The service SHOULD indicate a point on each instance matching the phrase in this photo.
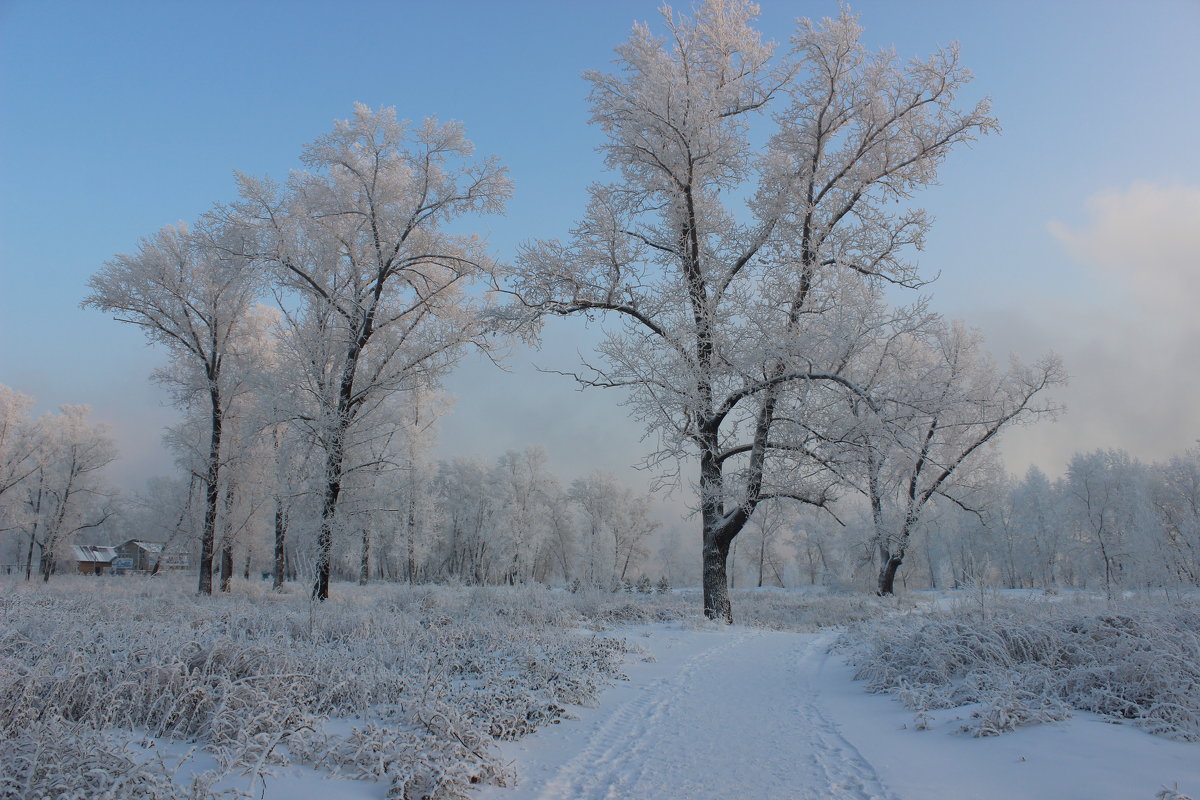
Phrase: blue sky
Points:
(1076, 230)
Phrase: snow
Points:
(700, 710)
(771, 714)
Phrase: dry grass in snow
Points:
(92, 672)
(1027, 660)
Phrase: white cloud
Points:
(1144, 242)
(1130, 339)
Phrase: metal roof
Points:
(94, 553)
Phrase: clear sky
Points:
(1076, 230)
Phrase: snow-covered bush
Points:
(429, 678)
(1033, 661)
(53, 759)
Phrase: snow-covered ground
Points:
(396, 692)
(752, 713)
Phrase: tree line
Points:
(1109, 523)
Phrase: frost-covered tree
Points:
(164, 513)
(1108, 497)
(1038, 525)
(19, 441)
(615, 524)
(713, 258)
(940, 415)
(190, 290)
(508, 522)
(767, 529)
(522, 531)
(1175, 493)
(371, 282)
(467, 506)
(66, 492)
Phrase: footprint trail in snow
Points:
(739, 717)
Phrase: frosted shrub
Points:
(776, 609)
(51, 759)
(1029, 662)
(431, 678)
(809, 611)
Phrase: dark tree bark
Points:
(280, 539)
(364, 559)
(227, 541)
(212, 491)
(886, 585)
(226, 566)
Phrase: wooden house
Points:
(137, 555)
(93, 559)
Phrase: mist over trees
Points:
(751, 264)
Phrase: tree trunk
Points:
(226, 565)
(333, 488)
(280, 538)
(329, 502)
(762, 556)
(410, 540)
(716, 579)
(334, 455)
(29, 555)
(227, 540)
(887, 576)
(37, 510)
(364, 560)
(47, 559)
(208, 536)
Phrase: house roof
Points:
(150, 547)
(94, 553)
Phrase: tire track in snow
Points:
(740, 719)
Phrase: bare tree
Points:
(371, 285)
(717, 309)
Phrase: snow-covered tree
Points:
(1038, 532)
(371, 282)
(66, 492)
(520, 531)
(713, 258)
(19, 442)
(466, 507)
(1109, 500)
(950, 403)
(1175, 493)
(615, 524)
(766, 532)
(190, 290)
(165, 512)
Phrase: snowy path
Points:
(721, 714)
(739, 713)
